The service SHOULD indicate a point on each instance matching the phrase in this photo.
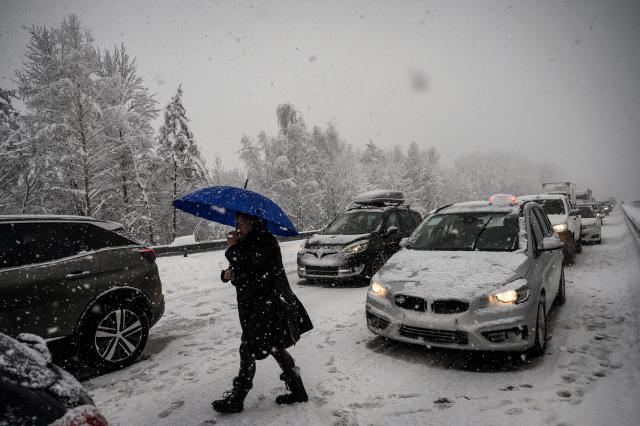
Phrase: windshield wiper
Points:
(473, 247)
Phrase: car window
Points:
(536, 229)
(28, 243)
(354, 222)
(91, 237)
(467, 231)
(393, 220)
(407, 222)
(417, 219)
(543, 220)
(587, 212)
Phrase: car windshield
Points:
(354, 222)
(552, 206)
(467, 231)
(587, 212)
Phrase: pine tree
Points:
(60, 86)
(183, 163)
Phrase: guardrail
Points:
(203, 246)
(632, 214)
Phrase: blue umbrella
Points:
(220, 204)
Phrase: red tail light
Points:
(149, 254)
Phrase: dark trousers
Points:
(248, 364)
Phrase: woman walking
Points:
(271, 316)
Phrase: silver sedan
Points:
(476, 275)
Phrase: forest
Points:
(78, 136)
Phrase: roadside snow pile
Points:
(183, 241)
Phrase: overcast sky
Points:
(557, 81)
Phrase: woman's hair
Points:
(256, 222)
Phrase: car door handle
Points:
(76, 274)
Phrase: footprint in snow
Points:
(443, 402)
(173, 407)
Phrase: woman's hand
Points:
(228, 274)
(232, 238)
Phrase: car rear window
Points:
(354, 222)
(587, 212)
(467, 231)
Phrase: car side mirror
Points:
(551, 243)
(404, 242)
(391, 231)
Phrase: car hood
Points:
(334, 240)
(450, 274)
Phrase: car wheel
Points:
(561, 296)
(579, 246)
(541, 331)
(570, 251)
(114, 336)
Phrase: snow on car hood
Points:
(450, 274)
(330, 240)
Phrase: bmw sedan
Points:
(475, 275)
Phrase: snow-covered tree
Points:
(60, 86)
(184, 167)
(128, 112)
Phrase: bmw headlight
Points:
(377, 289)
(561, 227)
(302, 247)
(515, 292)
(356, 247)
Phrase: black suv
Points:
(81, 285)
(359, 241)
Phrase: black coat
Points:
(270, 313)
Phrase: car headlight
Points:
(377, 289)
(302, 247)
(356, 247)
(511, 296)
(561, 227)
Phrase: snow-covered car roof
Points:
(540, 197)
(480, 206)
(28, 218)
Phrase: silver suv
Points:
(81, 285)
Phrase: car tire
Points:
(540, 341)
(579, 246)
(570, 251)
(114, 335)
(561, 296)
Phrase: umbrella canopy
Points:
(220, 204)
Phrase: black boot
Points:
(232, 399)
(293, 383)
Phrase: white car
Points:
(564, 217)
(591, 225)
(475, 275)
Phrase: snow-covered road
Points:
(589, 375)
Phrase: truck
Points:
(584, 196)
(565, 188)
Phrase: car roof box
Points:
(379, 197)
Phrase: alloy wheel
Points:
(118, 335)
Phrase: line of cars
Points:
(480, 275)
